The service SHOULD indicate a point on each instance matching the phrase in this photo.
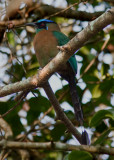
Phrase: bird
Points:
(48, 36)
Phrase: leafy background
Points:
(95, 87)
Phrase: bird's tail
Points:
(75, 99)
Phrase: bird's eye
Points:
(42, 24)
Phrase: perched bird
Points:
(48, 37)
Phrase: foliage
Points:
(95, 88)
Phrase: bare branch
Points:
(46, 10)
(56, 146)
(60, 114)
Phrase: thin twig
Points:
(20, 100)
(12, 75)
(55, 14)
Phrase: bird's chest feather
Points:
(45, 46)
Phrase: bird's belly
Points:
(45, 48)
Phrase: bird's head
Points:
(44, 24)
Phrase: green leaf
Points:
(101, 127)
(37, 105)
(12, 118)
(69, 114)
(96, 92)
(107, 84)
(79, 155)
(58, 131)
(103, 136)
(33, 66)
(85, 50)
(11, 39)
(100, 115)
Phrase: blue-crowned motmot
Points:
(48, 37)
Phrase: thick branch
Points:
(56, 146)
(66, 51)
(46, 10)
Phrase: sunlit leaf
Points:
(11, 39)
(96, 92)
(100, 115)
(84, 50)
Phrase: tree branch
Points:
(66, 51)
(6, 127)
(56, 146)
(5, 24)
(60, 114)
(47, 10)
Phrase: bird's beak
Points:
(33, 24)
